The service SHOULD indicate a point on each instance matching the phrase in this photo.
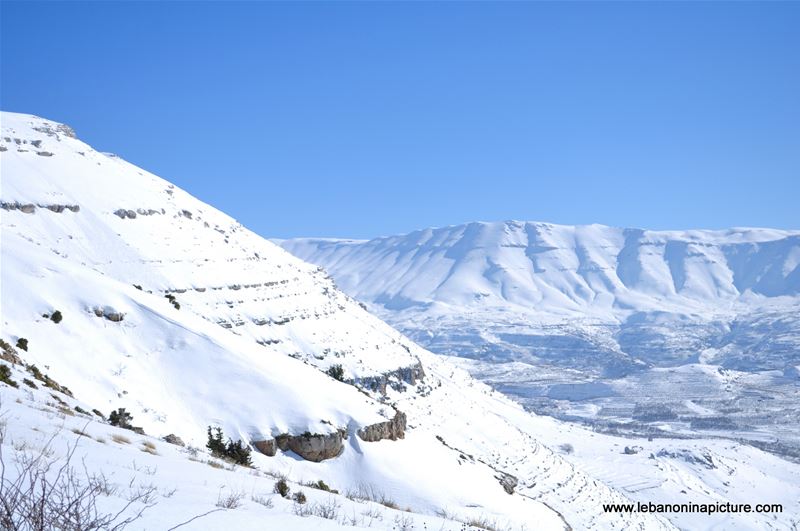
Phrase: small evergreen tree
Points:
(56, 317)
(22, 343)
(121, 418)
(232, 451)
(215, 443)
(239, 453)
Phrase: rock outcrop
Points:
(314, 447)
(507, 481)
(395, 379)
(391, 429)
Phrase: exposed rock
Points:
(114, 316)
(268, 447)
(507, 481)
(55, 208)
(47, 129)
(9, 353)
(173, 439)
(109, 314)
(631, 450)
(391, 429)
(3, 148)
(36, 143)
(314, 447)
(44, 153)
(394, 379)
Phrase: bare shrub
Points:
(299, 497)
(329, 509)
(49, 493)
(403, 522)
(262, 500)
(230, 501)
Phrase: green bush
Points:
(22, 343)
(121, 418)
(56, 317)
(30, 383)
(282, 488)
(336, 372)
(5, 376)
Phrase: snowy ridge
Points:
(601, 271)
(178, 313)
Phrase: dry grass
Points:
(149, 448)
(120, 439)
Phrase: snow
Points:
(247, 351)
(594, 307)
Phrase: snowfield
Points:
(174, 311)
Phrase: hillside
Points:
(174, 311)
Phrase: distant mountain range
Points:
(593, 313)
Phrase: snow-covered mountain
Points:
(594, 317)
(174, 311)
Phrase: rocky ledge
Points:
(391, 429)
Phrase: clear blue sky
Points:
(361, 119)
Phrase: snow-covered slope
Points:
(176, 312)
(586, 313)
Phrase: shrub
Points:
(5, 376)
(79, 409)
(321, 485)
(171, 298)
(336, 372)
(567, 448)
(231, 501)
(22, 343)
(262, 500)
(282, 488)
(56, 317)
(299, 497)
(29, 383)
(120, 418)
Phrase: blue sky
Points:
(361, 119)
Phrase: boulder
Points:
(267, 447)
(173, 439)
(314, 447)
